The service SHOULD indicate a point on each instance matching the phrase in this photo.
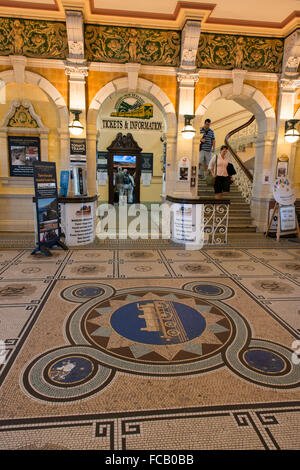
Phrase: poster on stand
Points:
(284, 192)
(287, 218)
(46, 197)
(22, 152)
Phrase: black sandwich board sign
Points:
(47, 210)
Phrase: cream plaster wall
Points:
(43, 106)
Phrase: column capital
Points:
(76, 69)
(289, 85)
(187, 78)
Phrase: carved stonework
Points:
(21, 114)
(33, 38)
(225, 51)
(76, 48)
(287, 85)
(22, 118)
(189, 44)
(124, 142)
(290, 62)
(79, 69)
(184, 77)
(121, 45)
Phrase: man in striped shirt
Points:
(207, 146)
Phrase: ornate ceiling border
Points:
(202, 11)
(30, 5)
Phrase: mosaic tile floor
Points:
(132, 349)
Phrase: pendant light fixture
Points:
(75, 126)
(188, 132)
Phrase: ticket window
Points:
(130, 162)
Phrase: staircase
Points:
(240, 220)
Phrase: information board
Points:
(46, 200)
(23, 152)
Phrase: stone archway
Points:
(8, 76)
(112, 88)
(254, 101)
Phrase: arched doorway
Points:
(102, 128)
(124, 153)
(255, 102)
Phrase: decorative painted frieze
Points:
(144, 46)
(33, 38)
(225, 51)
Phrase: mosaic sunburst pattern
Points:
(157, 327)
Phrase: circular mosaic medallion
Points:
(70, 370)
(157, 327)
(208, 289)
(88, 291)
(158, 322)
(266, 362)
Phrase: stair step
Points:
(240, 229)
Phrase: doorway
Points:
(124, 155)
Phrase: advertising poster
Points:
(79, 219)
(287, 218)
(282, 169)
(48, 229)
(184, 169)
(187, 224)
(284, 192)
(23, 151)
(77, 146)
(147, 162)
(64, 182)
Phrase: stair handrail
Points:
(235, 156)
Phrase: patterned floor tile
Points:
(143, 269)
(270, 288)
(8, 255)
(287, 267)
(184, 255)
(247, 268)
(57, 256)
(288, 310)
(138, 255)
(272, 254)
(12, 320)
(92, 255)
(200, 268)
(21, 292)
(90, 270)
(30, 271)
(227, 253)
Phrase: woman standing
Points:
(218, 168)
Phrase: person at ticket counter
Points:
(127, 186)
(119, 178)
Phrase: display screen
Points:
(124, 159)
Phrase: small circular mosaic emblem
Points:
(208, 289)
(88, 291)
(70, 370)
(266, 362)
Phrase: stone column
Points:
(186, 76)
(182, 189)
